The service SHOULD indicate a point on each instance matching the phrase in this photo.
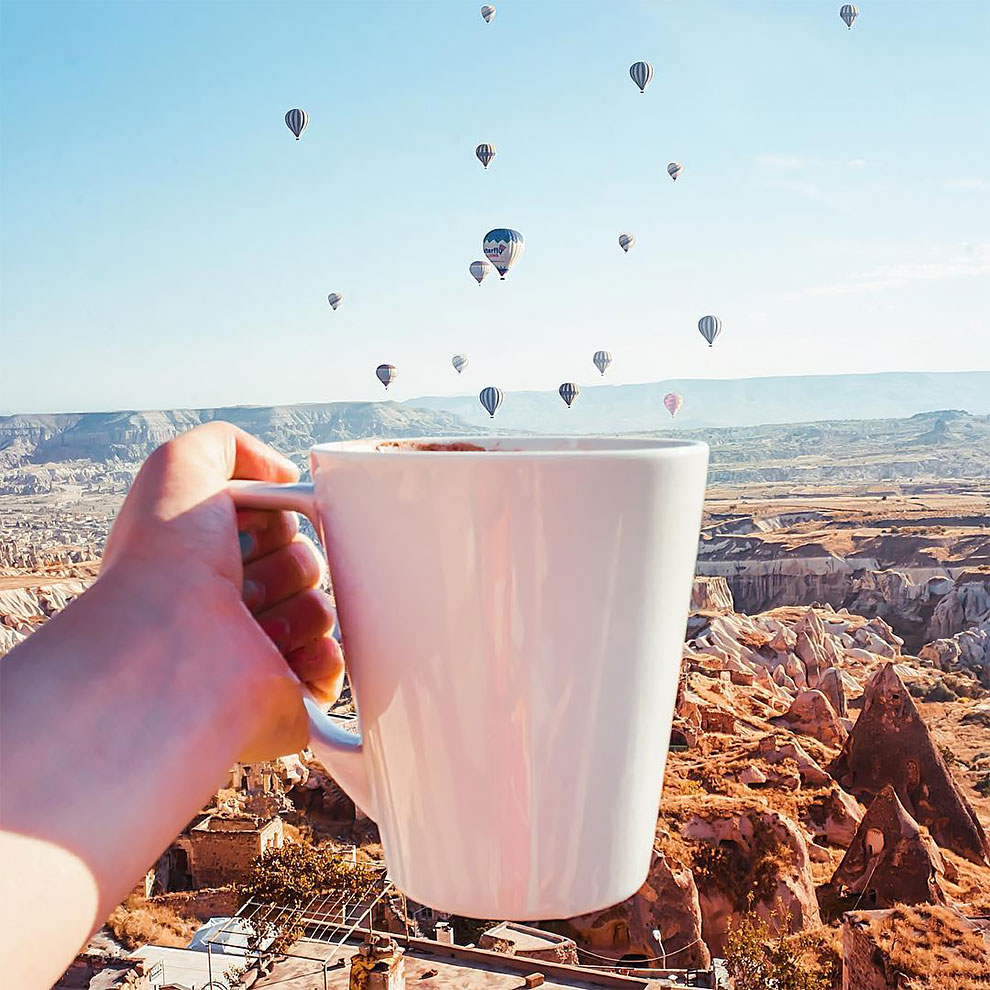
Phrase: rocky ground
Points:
(831, 744)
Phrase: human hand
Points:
(251, 569)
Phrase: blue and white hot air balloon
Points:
(386, 374)
(460, 362)
(848, 12)
(485, 153)
(674, 169)
(626, 241)
(491, 399)
(479, 269)
(602, 360)
(488, 12)
(641, 74)
(709, 327)
(503, 248)
(335, 299)
(569, 392)
(297, 121)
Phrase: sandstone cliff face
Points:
(890, 745)
(131, 436)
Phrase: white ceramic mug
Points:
(512, 619)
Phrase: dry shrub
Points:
(745, 877)
(762, 956)
(930, 941)
(138, 922)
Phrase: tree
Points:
(293, 875)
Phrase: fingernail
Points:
(246, 542)
(276, 629)
(253, 594)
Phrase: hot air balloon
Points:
(479, 269)
(459, 361)
(335, 299)
(569, 392)
(503, 248)
(710, 327)
(673, 402)
(297, 121)
(849, 12)
(386, 374)
(641, 74)
(491, 399)
(488, 13)
(626, 241)
(602, 360)
(674, 169)
(485, 153)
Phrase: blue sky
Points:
(165, 241)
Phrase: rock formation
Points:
(960, 627)
(22, 610)
(776, 751)
(834, 817)
(832, 686)
(711, 594)
(750, 860)
(667, 901)
(890, 861)
(812, 714)
(890, 744)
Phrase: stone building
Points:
(216, 851)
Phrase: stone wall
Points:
(210, 902)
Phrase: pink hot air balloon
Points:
(672, 401)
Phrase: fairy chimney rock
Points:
(832, 687)
(890, 860)
(891, 745)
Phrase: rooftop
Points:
(214, 823)
(524, 938)
(435, 966)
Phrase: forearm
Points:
(119, 719)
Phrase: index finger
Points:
(243, 455)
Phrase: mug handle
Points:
(342, 751)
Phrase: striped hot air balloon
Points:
(848, 12)
(602, 360)
(626, 241)
(488, 12)
(485, 153)
(386, 374)
(491, 399)
(569, 392)
(672, 401)
(460, 362)
(297, 121)
(503, 248)
(335, 299)
(641, 74)
(710, 327)
(479, 269)
(674, 169)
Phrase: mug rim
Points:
(620, 446)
